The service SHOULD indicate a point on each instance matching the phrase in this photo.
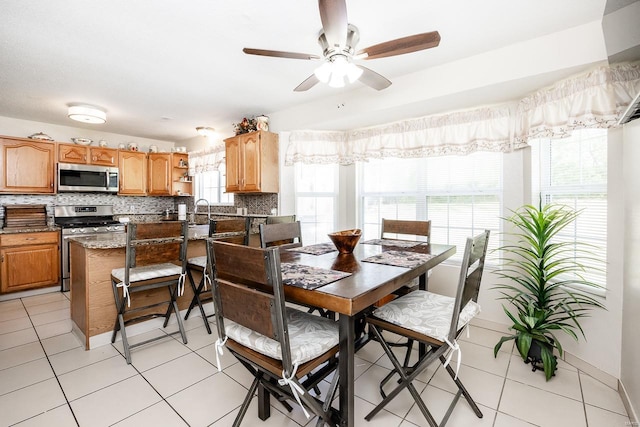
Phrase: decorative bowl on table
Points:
(345, 241)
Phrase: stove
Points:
(77, 221)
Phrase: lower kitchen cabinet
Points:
(29, 260)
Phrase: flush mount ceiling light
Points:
(205, 131)
(87, 114)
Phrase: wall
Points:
(630, 369)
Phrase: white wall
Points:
(630, 310)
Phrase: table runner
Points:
(393, 242)
(400, 258)
(306, 277)
(317, 249)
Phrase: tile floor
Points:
(47, 379)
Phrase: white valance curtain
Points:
(206, 160)
(593, 99)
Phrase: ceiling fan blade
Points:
(401, 46)
(279, 54)
(333, 14)
(310, 82)
(373, 79)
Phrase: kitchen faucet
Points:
(195, 207)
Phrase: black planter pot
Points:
(534, 356)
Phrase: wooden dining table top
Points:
(368, 282)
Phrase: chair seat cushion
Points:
(148, 272)
(199, 261)
(426, 313)
(309, 337)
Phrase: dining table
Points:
(357, 281)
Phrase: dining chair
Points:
(285, 235)
(280, 346)
(202, 290)
(155, 257)
(279, 219)
(436, 321)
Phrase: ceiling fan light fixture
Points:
(353, 72)
(87, 114)
(323, 72)
(205, 131)
(337, 80)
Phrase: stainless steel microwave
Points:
(89, 178)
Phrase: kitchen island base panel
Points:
(93, 309)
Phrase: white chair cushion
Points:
(200, 261)
(148, 272)
(309, 336)
(426, 313)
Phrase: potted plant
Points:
(539, 270)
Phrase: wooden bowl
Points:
(345, 241)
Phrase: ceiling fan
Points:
(338, 40)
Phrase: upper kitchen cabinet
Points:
(181, 181)
(28, 166)
(73, 153)
(252, 163)
(159, 173)
(133, 173)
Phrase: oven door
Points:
(88, 178)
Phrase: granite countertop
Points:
(239, 215)
(29, 229)
(119, 240)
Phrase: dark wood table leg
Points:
(264, 405)
(423, 285)
(346, 369)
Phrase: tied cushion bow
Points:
(125, 292)
(454, 347)
(296, 390)
(181, 280)
(219, 351)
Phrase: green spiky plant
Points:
(539, 270)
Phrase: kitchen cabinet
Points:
(252, 163)
(27, 166)
(29, 260)
(181, 182)
(133, 172)
(82, 154)
(159, 174)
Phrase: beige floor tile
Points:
(12, 312)
(53, 329)
(195, 402)
(12, 304)
(485, 338)
(482, 358)
(50, 317)
(156, 353)
(199, 338)
(178, 374)
(69, 360)
(277, 418)
(484, 387)
(504, 420)
(22, 354)
(371, 352)
(88, 379)
(63, 304)
(240, 374)
(15, 325)
(517, 401)
(598, 394)
(60, 416)
(60, 343)
(114, 403)
(209, 354)
(30, 401)
(160, 414)
(17, 338)
(44, 299)
(598, 417)
(438, 401)
(24, 375)
(565, 382)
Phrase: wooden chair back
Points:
(284, 235)
(405, 228)
(471, 271)
(248, 290)
(157, 242)
(241, 225)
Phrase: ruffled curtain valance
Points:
(206, 160)
(594, 99)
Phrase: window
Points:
(461, 195)
(573, 171)
(210, 185)
(316, 193)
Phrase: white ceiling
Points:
(162, 67)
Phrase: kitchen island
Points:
(93, 310)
